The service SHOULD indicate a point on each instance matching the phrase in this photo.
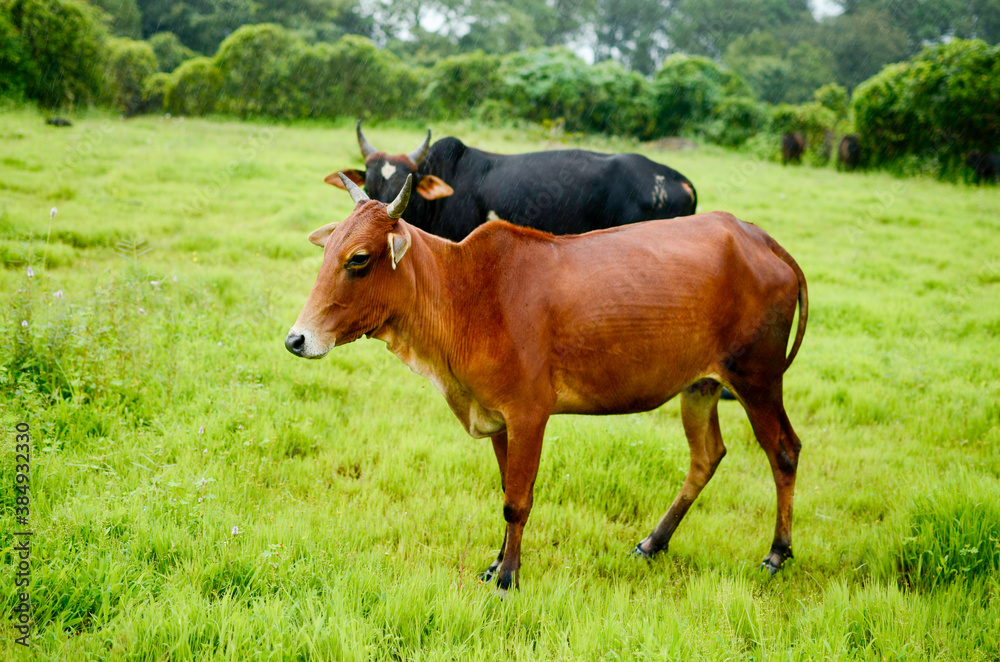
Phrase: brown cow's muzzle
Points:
(305, 344)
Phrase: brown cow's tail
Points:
(803, 297)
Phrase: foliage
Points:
(942, 104)
(123, 17)
(862, 44)
(932, 21)
(130, 64)
(169, 50)
(705, 27)
(735, 120)
(154, 91)
(13, 55)
(776, 72)
(203, 25)
(255, 64)
(835, 98)
(457, 84)
(554, 85)
(688, 89)
(193, 88)
(63, 51)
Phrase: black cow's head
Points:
(385, 174)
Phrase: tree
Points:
(632, 32)
(936, 20)
(705, 27)
(777, 73)
(862, 44)
(124, 18)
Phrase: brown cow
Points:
(513, 325)
(792, 146)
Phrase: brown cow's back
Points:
(595, 311)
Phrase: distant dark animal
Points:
(514, 325)
(985, 165)
(563, 192)
(792, 146)
(58, 121)
(849, 153)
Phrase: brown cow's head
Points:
(384, 174)
(358, 286)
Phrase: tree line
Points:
(931, 108)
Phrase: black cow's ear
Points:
(432, 188)
(356, 176)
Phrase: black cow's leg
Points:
(523, 454)
(699, 413)
(500, 450)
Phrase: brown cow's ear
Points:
(432, 188)
(356, 176)
(320, 235)
(398, 244)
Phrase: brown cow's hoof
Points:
(639, 553)
(769, 565)
(775, 560)
(491, 573)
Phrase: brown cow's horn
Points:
(396, 207)
(367, 149)
(356, 193)
(420, 153)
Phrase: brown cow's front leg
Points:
(700, 415)
(523, 453)
(500, 450)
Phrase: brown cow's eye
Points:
(358, 260)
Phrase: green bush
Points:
(12, 55)
(688, 89)
(936, 107)
(553, 84)
(735, 120)
(169, 50)
(835, 98)
(365, 82)
(63, 51)
(193, 88)
(154, 92)
(460, 83)
(130, 64)
(255, 63)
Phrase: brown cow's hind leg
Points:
(699, 413)
(500, 450)
(775, 435)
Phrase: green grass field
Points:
(146, 355)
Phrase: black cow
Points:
(564, 192)
(984, 165)
(849, 153)
(792, 146)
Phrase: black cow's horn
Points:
(420, 153)
(396, 207)
(367, 149)
(356, 193)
